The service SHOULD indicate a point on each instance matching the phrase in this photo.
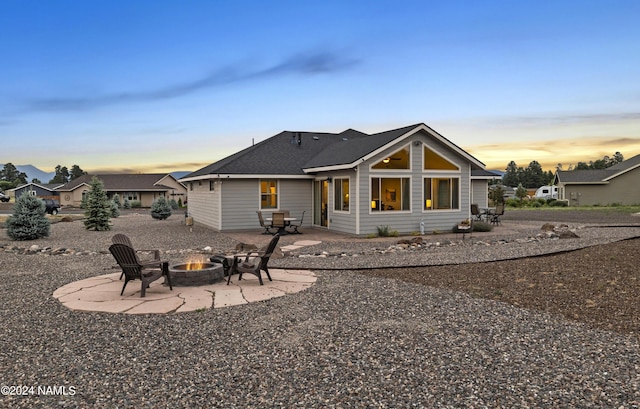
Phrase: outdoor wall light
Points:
(373, 204)
(427, 203)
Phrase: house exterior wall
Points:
(203, 203)
(232, 203)
(624, 189)
(37, 191)
(361, 220)
(479, 192)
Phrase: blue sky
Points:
(158, 86)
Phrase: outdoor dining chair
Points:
(495, 216)
(475, 212)
(277, 221)
(262, 224)
(297, 224)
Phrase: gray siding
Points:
(204, 204)
(409, 221)
(479, 193)
(624, 189)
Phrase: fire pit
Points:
(196, 273)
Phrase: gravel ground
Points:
(544, 331)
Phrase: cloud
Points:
(567, 119)
(304, 64)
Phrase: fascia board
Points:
(621, 172)
(243, 176)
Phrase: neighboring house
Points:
(349, 182)
(618, 184)
(42, 190)
(144, 188)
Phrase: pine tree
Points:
(160, 209)
(115, 209)
(127, 204)
(28, 221)
(116, 200)
(98, 209)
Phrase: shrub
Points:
(173, 204)
(98, 207)
(116, 200)
(136, 203)
(179, 202)
(535, 203)
(28, 221)
(160, 209)
(481, 226)
(126, 204)
(559, 203)
(115, 209)
(383, 231)
(514, 202)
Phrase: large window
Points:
(433, 161)
(390, 194)
(441, 193)
(341, 194)
(397, 160)
(268, 194)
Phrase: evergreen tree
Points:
(160, 209)
(28, 221)
(12, 177)
(115, 209)
(126, 204)
(76, 172)
(496, 194)
(116, 200)
(62, 175)
(521, 192)
(511, 177)
(97, 207)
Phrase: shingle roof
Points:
(597, 175)
(122, 182)
(283, 155)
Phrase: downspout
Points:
(358, 193)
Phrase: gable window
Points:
(341, 194)
(268, 194)
(397, 160)
(441, 193)
(433, 161)
(390, 194)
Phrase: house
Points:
(42, 190)
(143, 188)
(349, 182)
(619, 184)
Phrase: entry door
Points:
(321, 203)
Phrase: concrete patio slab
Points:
(102, 293)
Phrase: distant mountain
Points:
(180, 174)
(33, 172)
(44, 177)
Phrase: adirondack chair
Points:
(134, 269)
(254, 262)
(124, 239)
(294, 226)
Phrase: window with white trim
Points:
(268, 194)
(390, 194)
(341, 194)
(441, 193)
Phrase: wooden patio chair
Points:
(298, 223)
(124, 239)
(134, 269)
(266, 228)
(254, 262)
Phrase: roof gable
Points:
(597, 175)
(299, 153)
(122, 182)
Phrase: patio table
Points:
(287, 222)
